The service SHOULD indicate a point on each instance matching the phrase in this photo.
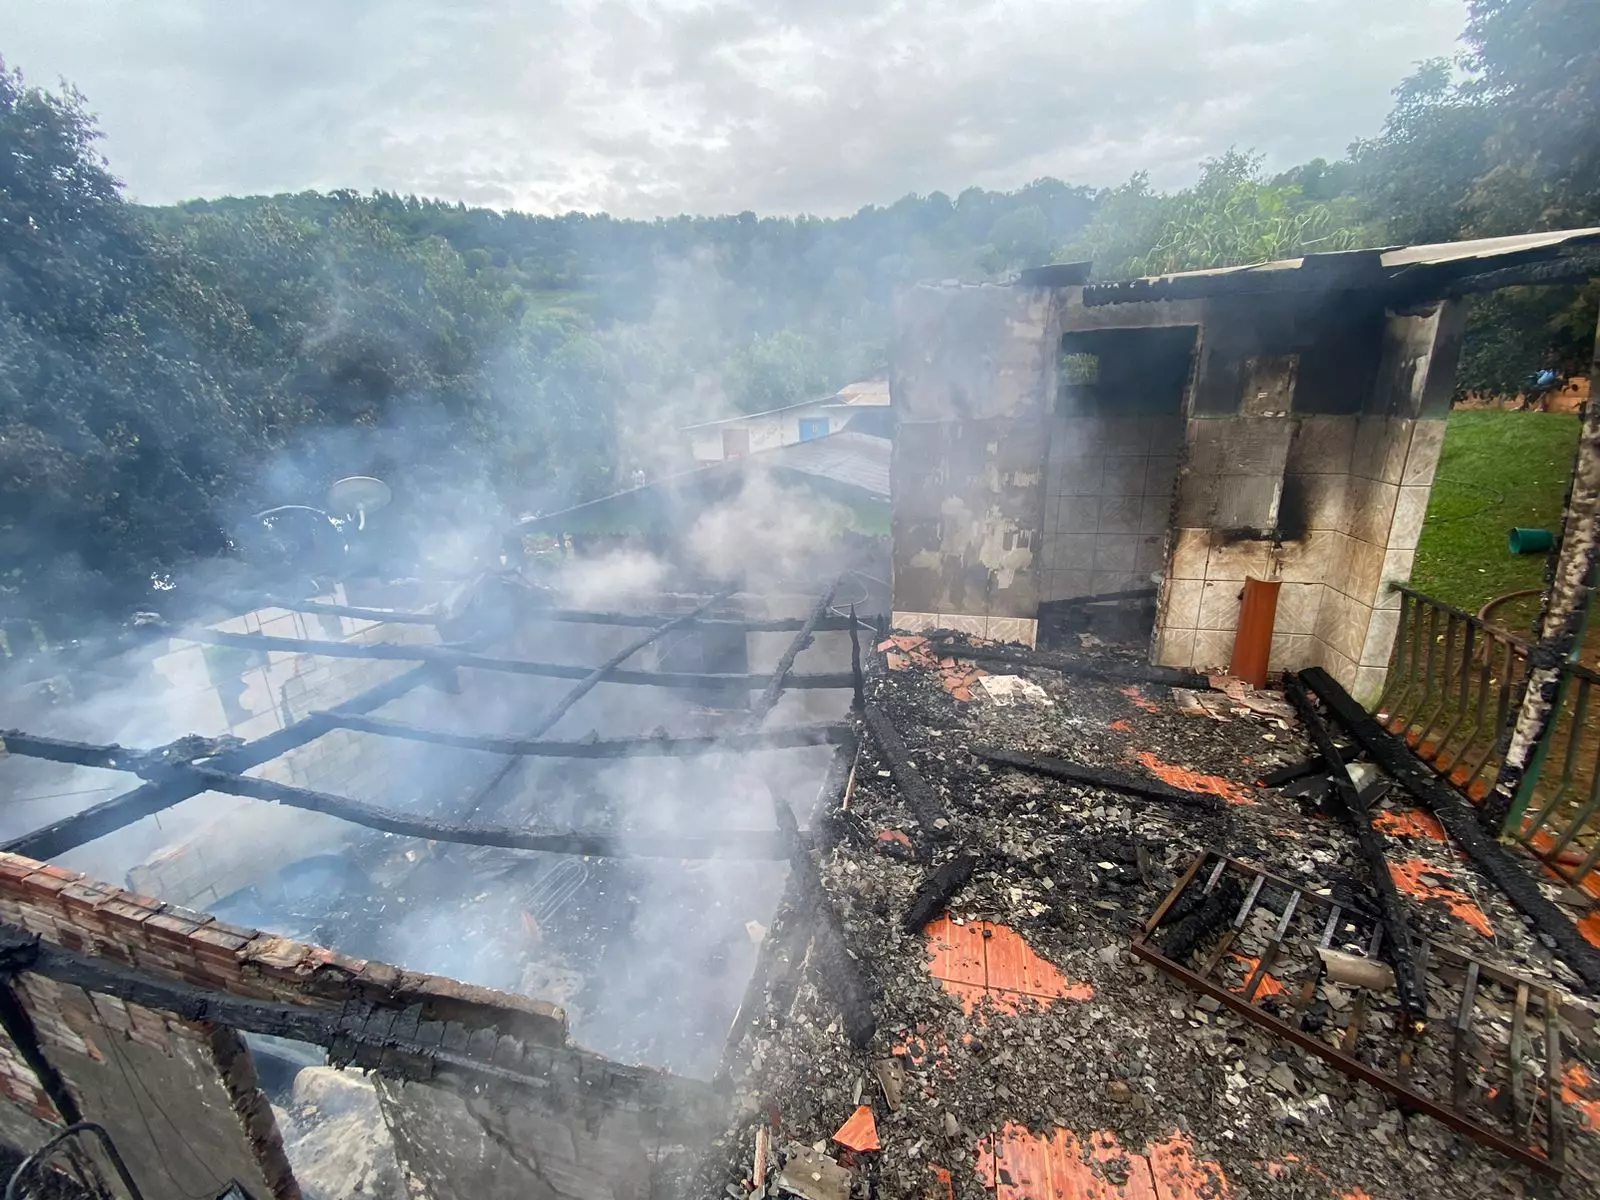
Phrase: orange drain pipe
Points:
(1252, 645)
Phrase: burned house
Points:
(1059, 440)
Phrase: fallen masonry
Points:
(1095, 991)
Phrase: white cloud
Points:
(650, 107)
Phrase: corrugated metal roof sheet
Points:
(868, 392)
(855, 459)
(1378, 267)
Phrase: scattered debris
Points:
(891, 1077)
(925, 807)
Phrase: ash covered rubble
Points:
(1021, 1050)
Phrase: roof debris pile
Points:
(1030, 1040)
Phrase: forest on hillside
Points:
(166, 371)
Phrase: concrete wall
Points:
(973, 382)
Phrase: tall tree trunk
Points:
(1567, 591)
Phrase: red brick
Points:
(42, 881)
(217, 937)
(122, 909)
(14, 869)
(169, 927)
(60, 873)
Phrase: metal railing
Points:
(1454, 687)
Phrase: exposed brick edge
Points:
(80, 914)
(250, 1104)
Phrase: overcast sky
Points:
(651, 107)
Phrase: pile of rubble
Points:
(1020, 1049)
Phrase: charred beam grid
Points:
(1100, 777)
(1410, 983)
(920, 798)
(586, 685)
(789, 737)
(450, 656)
(1461, 823)
(403, 1043)
(1214, 883)
(172, 785)
(1072, 664)
(1303, 769)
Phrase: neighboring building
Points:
(751, 433)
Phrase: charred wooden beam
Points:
(937, 887)
(1303, 769)
(788, 737)
(925, 806)
(1460, 822)
(858, 679)
(780, 674)
(1077, 665)
(448, 656)
(728, 843)
(77, 754)
(747, 624)
(1410, 983)
(1100, 777)
(175, 786)
(837, 968)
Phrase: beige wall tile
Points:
(1219, 604)
(1149, 554)
(1182, 609)
(1379, 641)
(1114, 552)
(1190, 549)
(1427, 440)
(1213, 649)
(1078, 514)
(1290, 652)
(1175, 648)
(914, 622)
(1341, 668)
(1411, 507)
(1372, 511)
(1396, 569)
(1306, 560)
(1016, 630)
(1362, 571)
(1298, 604)
(971, 624)
(1239, 560)
(1368, 685)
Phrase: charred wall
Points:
(973, 383)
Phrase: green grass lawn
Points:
(1498, 469)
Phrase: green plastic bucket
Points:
(1532, 541)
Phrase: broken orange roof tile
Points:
(860, 1132)
(1194, 781)
(1408, 877)
(894, 835)
(1590, 928)
(1180, 1175)
(1269, 985)
(1140, 700)
(1582, 1091)
(944, 1188)
(1121, 727)
(979, 959)
(1019, 1165)
(1409, 823)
